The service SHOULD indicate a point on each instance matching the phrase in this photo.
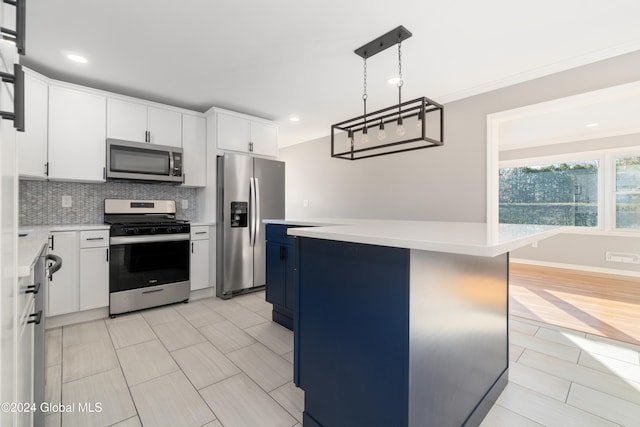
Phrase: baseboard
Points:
(590, 269)
(77, 317)
(202, 293)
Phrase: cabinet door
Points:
(94, 278)
(194, 144)
(32, 143)
(24, 362)
(126, 120)
(233, 133)
(289, 277)
(8, 235)
(77, 122)
(276, 274)
(264, 137)
(199, 264)
(164, 126)
(62, 291)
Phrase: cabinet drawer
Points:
(200, 233)
(94, 238)
(278, 233)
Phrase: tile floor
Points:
(224, 363)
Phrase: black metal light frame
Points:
(421, 107)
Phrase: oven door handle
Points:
(127, 240)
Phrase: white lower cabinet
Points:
(24, 362)
(200, 253)
(94, 269)
(62, 292)
(83, 281)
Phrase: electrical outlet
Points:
(67, 202)
(305, 203)
(625, 258)
(185, 204)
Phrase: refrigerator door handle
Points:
(257, 210)
(252, 204)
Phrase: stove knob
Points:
(153, 230)
(136, 231)
(129, 230)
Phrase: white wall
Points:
(423, 184)
(444, 183)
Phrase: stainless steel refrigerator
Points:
(250, 189)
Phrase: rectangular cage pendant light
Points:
(406, 126)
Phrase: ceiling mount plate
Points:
(383, 42)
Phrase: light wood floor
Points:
(598, 304)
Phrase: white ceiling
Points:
(598, 114)
(280, 58)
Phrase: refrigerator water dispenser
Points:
(239, 214)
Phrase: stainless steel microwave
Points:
(141, 161)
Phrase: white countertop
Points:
(451, 237)
(29, 246)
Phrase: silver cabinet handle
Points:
(94, 238)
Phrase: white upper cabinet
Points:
(233, 133)
(134, 121)
(264, 138)
(77, 140)
(165, 127)
(127, 120)
(239, 132)
(32, 143)
(194, 146)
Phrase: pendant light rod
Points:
(383, 42)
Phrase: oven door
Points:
(140, 262)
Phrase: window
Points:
(627, 192)
(550, 194)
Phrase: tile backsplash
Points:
(41, 201)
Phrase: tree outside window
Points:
(553, 194)
(627, 192)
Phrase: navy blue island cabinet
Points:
(388, 336)
(280, 273)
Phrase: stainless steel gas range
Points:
(149, 254)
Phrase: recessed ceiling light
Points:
(592, 125)
(393, 80)
(294, 118)
(76, 58)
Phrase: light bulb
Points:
(349, 138)
(419, 124)
(381, 133)
(400, 131)
(365, 136)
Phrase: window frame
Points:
(612, 156)
(606, 186)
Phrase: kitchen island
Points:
(402, 323)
